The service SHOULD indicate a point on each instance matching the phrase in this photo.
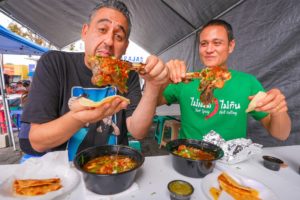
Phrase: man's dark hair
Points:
(26, 83)
(220, 22)
(114, 4)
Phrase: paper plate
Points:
(70, 179)
(211, 180)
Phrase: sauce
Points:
(181, 188)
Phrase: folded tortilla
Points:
(89, 103)
(235, 189)
(253, 103)
(34, 187)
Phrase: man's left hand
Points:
(273, 103)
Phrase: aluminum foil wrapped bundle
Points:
(214, 138)
(236, 150)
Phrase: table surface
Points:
(157, 171)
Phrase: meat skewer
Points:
(211, 78)
(112, 71)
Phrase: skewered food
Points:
(211, 78)
(112, 71)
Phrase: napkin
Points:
(51, 165)
(236, 150)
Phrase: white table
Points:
(157, 171)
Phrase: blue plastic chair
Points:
(160, 121)
(134, 143)
(16, 117)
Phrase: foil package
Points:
(236, 150)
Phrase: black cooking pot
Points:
(108, 183)
(190, 167)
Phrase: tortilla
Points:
(90, 103)
(34, 187)
(235, 189)
(22, 183)
(252, 105)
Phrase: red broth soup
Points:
(110, 164)
(193, 153)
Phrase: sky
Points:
(134, 52)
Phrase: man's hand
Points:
(274, 103)
(93, 114)
(177, 70)
(157, 73)
(278, 123)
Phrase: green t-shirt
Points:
(230, 121)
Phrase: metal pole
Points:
(5, 106)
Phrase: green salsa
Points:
(181, 188)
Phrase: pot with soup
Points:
(193, 158)
(108, 169)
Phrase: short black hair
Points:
(220, 22)
(26, 83)
(114, 4)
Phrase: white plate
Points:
(211, 180)
(70, 179)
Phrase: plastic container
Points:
(194, 168)
(272, 163)
(180, 190)
(107, 184)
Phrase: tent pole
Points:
(5, 105)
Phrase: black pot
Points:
(108, 183)
(190, 167)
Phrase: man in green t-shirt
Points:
(216, 43)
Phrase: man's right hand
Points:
(177, 70)
(86, 114)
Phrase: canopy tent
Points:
(11, 43)
(158, 24)
(266, 33)
(14, 44)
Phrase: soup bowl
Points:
(191, 167)
(107, 184)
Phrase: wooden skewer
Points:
(138, 67)
(191, 75)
